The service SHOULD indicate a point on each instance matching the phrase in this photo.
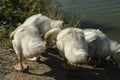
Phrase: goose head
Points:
(115, 46)
(56, 24)
(50, 36)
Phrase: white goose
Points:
(27, 42)
(43, 23)
(71, 44)
(99, 44)
(26, 38)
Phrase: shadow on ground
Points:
(107, 71)
(49, 68)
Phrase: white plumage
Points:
(30, 30)
(28, 41)
(72, 45)
(41, 22)
(99, 44)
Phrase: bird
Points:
(27, 38)
(71, 44)
(27, 42)
(99, 45)
(41, 22)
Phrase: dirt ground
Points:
(49, 68)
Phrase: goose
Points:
(70, 43)
(99, 45)
(27, 42)
(42, 23)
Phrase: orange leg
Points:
(20, 66)
(90, 59)
(99, 61)
(20, 61)
(34, 59)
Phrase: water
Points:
(102, 14)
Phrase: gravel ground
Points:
(49, 68)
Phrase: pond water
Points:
(101, 14)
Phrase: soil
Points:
(49, 68)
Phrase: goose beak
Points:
(118, 51)
(45, 43)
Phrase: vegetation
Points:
(14, 12)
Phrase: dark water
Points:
(102, 14)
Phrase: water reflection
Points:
(102, 14)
